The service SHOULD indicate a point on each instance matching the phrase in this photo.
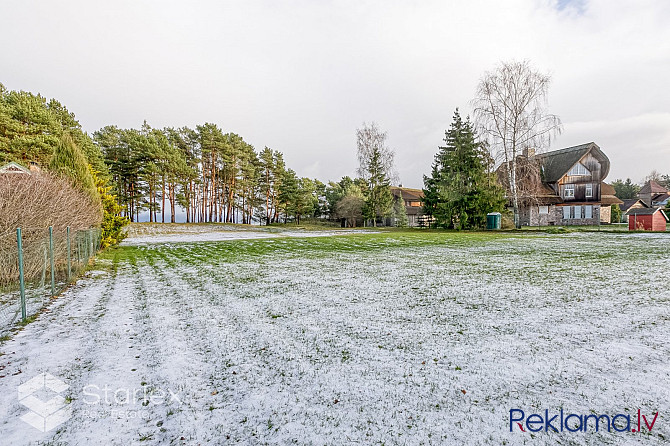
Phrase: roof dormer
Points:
(579, 170)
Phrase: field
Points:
(217, 335)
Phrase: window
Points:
(588, 211)
(569, 191)
(579, 170)
(544, 210)
(566, 212)
(589, 191)
(578, 211)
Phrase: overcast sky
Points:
(301, 76)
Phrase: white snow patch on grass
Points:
(397, 338)
(143, 234)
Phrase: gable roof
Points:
(13, 167)
(557, 163)
(629, 202)
(652, 187)
(647, 211)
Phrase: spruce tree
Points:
(462, 189)
(400, 212)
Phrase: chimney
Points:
(529, 153)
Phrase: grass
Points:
(395, 336)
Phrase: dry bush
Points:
(33, 203)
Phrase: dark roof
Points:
(627, 203)
(652, 187)
(660, 198)
(407, 193)
(646, 211)
(557, 163)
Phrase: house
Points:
(661, 201)
(413, 201)
(647, 219)
(632, 203)
(14, 168)
(563, 187)
(653, 194)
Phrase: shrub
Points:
(33, 203)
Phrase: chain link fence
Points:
(37, 264)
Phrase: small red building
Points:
(646, 219)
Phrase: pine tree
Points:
(288, 193)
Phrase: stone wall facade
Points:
(554, 215)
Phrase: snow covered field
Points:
(148, 233)
(388, 338)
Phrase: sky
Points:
(302, 76)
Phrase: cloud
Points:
(301, 76)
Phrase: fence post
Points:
(22, 284)
(88, 246)
(69, 260)
(51, 261)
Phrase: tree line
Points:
(216, 176)
(211, 175)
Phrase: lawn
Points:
(403, 337)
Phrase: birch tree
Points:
(510, 109)
(376, 168)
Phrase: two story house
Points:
(567, 187)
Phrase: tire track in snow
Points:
(177, 357)
(113, 380)
(59, 343)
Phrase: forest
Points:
(205, 173)
(213, 176)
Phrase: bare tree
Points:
(655, 176)
(510, 109)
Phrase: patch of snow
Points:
(378, 342)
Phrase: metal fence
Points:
(36, 264)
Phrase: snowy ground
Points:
(148, 233)
(392, 338)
